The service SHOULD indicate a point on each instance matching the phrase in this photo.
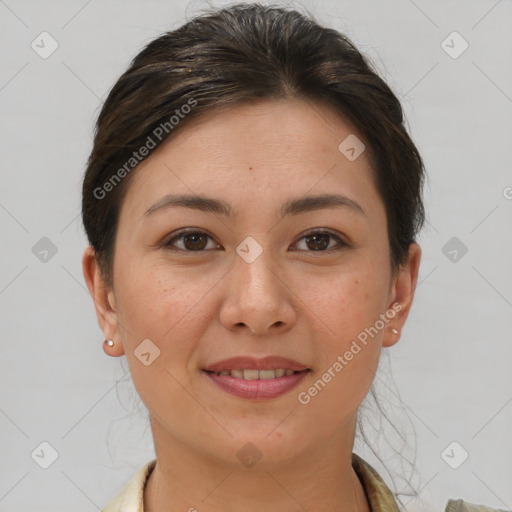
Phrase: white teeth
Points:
(251, 374)
(257, 374)
(267, 374)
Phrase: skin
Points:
(202, 307)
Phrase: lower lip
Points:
(258, 388)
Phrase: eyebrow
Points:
(291, 207)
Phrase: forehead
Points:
(269, 149)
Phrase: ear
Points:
(402, 294)
(104, 302)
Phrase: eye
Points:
(194, 241)
(318, 241)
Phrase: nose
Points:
(257, 299)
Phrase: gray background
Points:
(452, 366)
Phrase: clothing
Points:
(380, 497)
(463, 506)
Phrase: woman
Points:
(251, 202)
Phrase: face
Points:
(265, 270)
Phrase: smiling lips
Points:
(249, 377)
(252, 363)
(250, 374)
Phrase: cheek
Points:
(164, 307)
(346, 312)
(166, 312)
(347, 355)
(345, 304)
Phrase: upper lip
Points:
(252, 363)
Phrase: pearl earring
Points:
(394, 331)
(110, 343)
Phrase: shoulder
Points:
(463, 506)
(381, 498)
(130, 499)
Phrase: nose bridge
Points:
(256, 278)
(256, 295)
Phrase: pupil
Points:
(315, 240)
(194, 237)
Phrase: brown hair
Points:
(235, 55)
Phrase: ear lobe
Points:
(402, 292)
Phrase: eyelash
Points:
(187, 231)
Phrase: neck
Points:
(190, 480)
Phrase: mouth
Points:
(255, 377)
(256, 384)
(254, 374)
